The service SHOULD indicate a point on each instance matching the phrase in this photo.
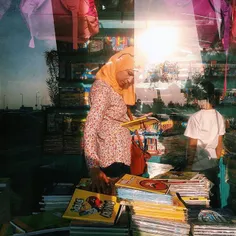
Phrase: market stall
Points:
(176, 50)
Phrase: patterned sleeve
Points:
(99, 101)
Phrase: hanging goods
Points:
(62, 20)
(138, 155)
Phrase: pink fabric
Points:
(225, 75)
(203, 11)
(233, 40)
(84, 20)
(73, 6)
(39, 19)
(4, 6)
(226, 13)
(233, 30)
(68, 20)
(105, 141)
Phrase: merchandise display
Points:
(76, 174)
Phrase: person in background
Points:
(205, 130)
(136, 109)
(108, 145)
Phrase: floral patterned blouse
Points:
(105, 140)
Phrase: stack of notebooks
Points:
(96, 214)
(150, 203)
(214, 222)
(194, 188)
(136, 188)
(57, 197)
(143, 226)
(120, 228)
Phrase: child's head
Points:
(205, 93)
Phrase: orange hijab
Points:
(123, 60)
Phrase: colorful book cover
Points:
(166, 125)
(215, 217)
(140, 183)
(85, 184)
(90, 206)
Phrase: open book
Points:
(141, 122)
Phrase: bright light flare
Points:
(158, 43)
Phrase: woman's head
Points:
(118, 72)
(125, 78)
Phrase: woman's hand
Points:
(100, 182)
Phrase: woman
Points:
(205, 132)
(107, 144)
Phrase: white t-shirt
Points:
(206, 126)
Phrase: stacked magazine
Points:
(214, 222)
(194, 188)
(96, 214)
(116, 224)
(143, 226)
(136, 188)
(153, 209)
(120, 228)
(56, 197)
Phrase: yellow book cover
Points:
(194, 198)
(144, 184)
(165, 125)
(163, 213)
(90, 206)
(178, 205)
(139, 122)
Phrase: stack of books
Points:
(214, 222)
(136, 188)
(143, 226)
(193, 188)
(95, 214)
(57, 197)
(120, 228)
(150, 203)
